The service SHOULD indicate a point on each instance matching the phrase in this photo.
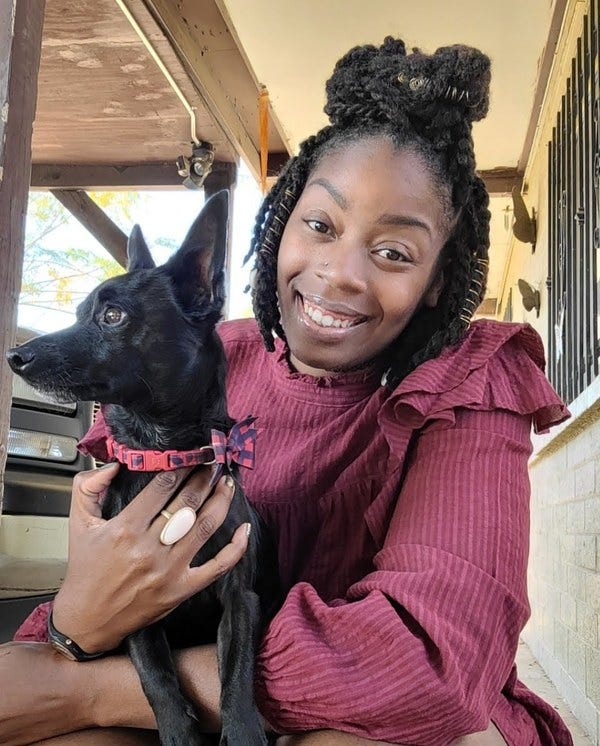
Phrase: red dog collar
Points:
(146, 460)
(238, 446)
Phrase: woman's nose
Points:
(343, 267)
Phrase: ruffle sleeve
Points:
(498, 366)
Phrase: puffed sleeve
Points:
(35, 627)
(418, 650)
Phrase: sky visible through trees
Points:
(63, 261)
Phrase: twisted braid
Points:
(268, 229)
(423, 103)
(432, 329)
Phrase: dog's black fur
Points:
(160, 370)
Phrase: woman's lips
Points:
(328, 316)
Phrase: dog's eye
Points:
(113, 316)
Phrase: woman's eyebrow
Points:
(388, 219)
(385, 219)
(337, 196)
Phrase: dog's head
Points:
(142, 334)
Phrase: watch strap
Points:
(65, 645)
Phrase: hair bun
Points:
(463, 70)
(344, 97)
(384, 84)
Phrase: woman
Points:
(391, 459)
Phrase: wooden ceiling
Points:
(102, 99)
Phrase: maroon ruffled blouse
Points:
(403, 527)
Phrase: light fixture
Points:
(524, 226)
(196, 168)
(530, 297)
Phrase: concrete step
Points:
(533, 676)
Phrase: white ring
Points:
(177, 526)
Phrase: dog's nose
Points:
(19, 358)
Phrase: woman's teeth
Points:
(325, 319)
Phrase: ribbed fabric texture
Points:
(403, 527)
(403, 522)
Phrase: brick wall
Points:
(564, 570)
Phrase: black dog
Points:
(145, 345)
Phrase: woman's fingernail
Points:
(111, 465)
(229, 481)
(248, 527)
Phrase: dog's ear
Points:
(197, 267)
(138, 253)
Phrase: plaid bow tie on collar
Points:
(238, 446)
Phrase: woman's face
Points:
(358, 255)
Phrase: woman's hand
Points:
(119, 576)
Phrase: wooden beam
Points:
(163, 175)
(20, 47)
(544, 68)
(487, 307)
(223, 178)
(158, 175)
(180, 22)
(502, 179)
(92, 217)
(276, 162)
(98, 178)
(274, 121)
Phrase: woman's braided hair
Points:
(425, 103)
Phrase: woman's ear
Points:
(432, 294)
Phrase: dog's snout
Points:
(19, 358)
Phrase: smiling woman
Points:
(394, 436)
(359, 255)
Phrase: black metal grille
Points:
(574, 222)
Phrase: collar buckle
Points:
(151, 460)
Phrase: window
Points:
(574, 222)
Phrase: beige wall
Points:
(564, 576)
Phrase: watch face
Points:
(67, 652)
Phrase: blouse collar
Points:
(339, 390)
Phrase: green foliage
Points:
(117, 205)
(57, 274)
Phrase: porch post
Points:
(20, 47)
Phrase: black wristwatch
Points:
(66, 646)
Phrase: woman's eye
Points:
(392, 254)
(113, 316)
(318, 226)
